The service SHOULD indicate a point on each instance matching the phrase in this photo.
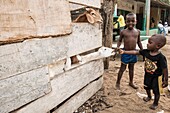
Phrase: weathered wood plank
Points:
(39, 52)
(41, 18)
(8, 49)
(85, 37)
(65, 85)
(32, 54)
(81, 97)
(75, 6)
(56, 68)
(21, 89)
(92, 3)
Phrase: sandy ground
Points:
(126, 99)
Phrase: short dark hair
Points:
(160, 39)
(131, 14)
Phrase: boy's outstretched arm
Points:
(132, 52)
(139, 41)
(165, 81)
(140, 44)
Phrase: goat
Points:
(90, 15)
(101, 53)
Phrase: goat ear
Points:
(90, 18)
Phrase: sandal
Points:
(146, 99)
(153, 107)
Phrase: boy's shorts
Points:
(126, 58)
(152, 82)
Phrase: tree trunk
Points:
(107, 14)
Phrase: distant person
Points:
(121, 21)
(152, 22)
(155, 66)
(166, 27)
(131, 37)
(119, 25)
(161, 29)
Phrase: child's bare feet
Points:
(133, 86)
(146, 99)
(117, 86)
(153, 106)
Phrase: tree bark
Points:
(107, 14)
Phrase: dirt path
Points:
(111, 100)
(126, 99)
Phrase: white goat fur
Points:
(101, 53)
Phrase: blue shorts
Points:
(126, 58)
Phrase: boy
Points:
(131, 37)
(155, 66)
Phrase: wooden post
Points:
(107, 14)
(147, 12)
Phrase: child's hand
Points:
(121, 51)
(165, 84)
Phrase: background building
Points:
(159, 10)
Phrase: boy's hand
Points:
(165, 84)
(121, 51)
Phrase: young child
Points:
(131, 37)
(155, 66)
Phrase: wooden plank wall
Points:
(23, 88)
(33, 54)
(32, 79)
(22, 57)
(65, 85)
(41, 18)
(82, 96)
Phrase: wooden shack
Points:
(36, 37)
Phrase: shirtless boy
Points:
(130, 36)
(155, 66)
